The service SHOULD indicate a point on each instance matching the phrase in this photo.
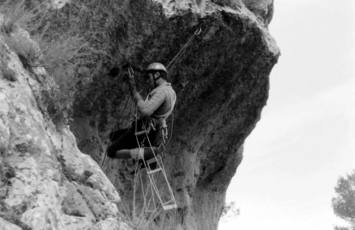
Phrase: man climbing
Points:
(151, 126)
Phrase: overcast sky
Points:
(305, 139)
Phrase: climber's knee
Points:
(137, 153)
(150, 152)
(143, 153)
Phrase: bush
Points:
(61, 54)
(27, 50)
(63, 58)
(19, 13)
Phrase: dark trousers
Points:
(126, 139)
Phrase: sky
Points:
(305, 139)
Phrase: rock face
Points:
(221, 81)
(45, 181)
(222, 84)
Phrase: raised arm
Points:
(146, 108)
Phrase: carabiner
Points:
(130, 71)
(198, 31)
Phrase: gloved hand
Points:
(132, 86)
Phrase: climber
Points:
(153, 113)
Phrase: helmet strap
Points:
(156, 78)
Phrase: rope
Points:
(134, 192)
(104, 159)
(196, 33)
(179, 54)
(171, 131)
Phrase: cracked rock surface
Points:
(45, 181)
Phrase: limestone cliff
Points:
(45, 181)
(222, 82)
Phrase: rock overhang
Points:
(222, 85)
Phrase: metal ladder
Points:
(155, 171)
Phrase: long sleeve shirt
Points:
(159, 103)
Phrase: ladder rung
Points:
(153, 160)
(140, 132)
(170, 206)
(154, 171)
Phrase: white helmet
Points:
(157, 67)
